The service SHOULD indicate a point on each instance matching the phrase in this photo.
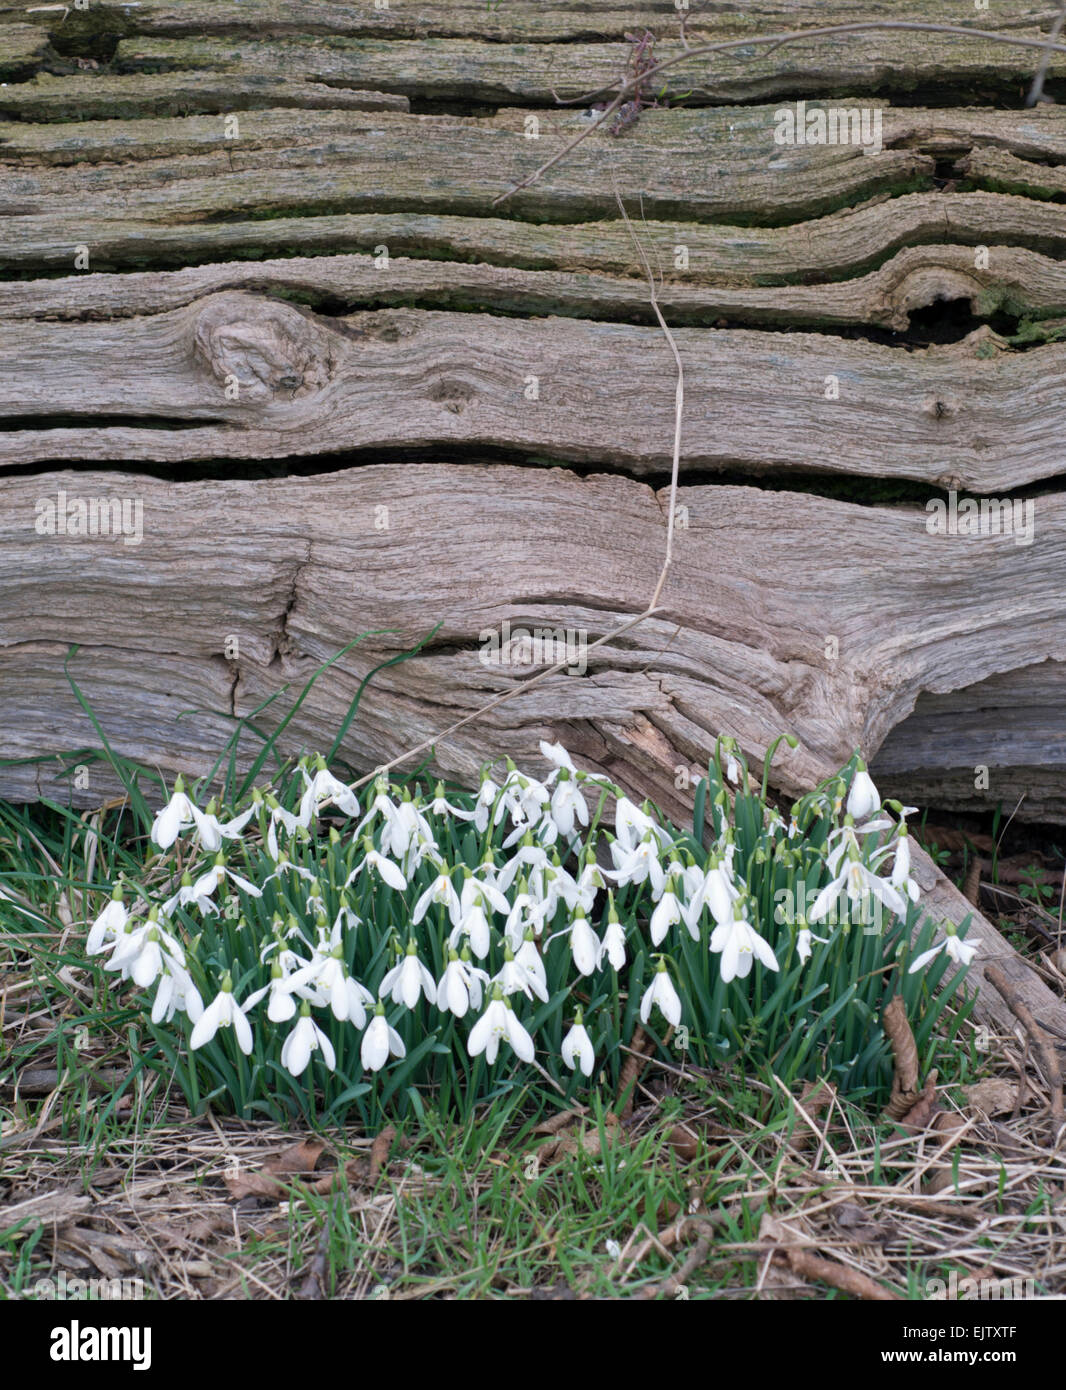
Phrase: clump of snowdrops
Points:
(309, 952)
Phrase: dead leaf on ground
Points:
(860, 1227)
(297, 1158)
(995, 1096)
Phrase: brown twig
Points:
(1044, 1046)
(1036, 91)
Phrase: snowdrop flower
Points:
(532, 962)
(524, 796)
(856, 880)
(441, 891)
(284, 865)
(740, 943)
(584, 944)
(662, 994)
(382, 805)
(577, 1047)
(222, 1012)
(732, 770)
(567, 804)
(407, 835)
(529, 856)
(110, 924)
(460, 987)
(291, 824)
(441, 806)
(139, 953)
(527, 913)
(176, 991)
(558, 756)
(640, 863)
(328, 975)
(304, 1039)
(497, 1023)
(589, 881)
(613, 945)
(515, 977)
(379, 1041)
(901, 867)
(863, 798)
(803, 943)
(720, 891)
(961, 952)
(212, 831)
(632, 825)
(407, 980)
(486, 799)
(207, 883)
(322, 786)
(177, 816)
(282, 1005)
(667, 914)
(473, 923)
(384, 868)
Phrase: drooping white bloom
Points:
(901, 867)
(961, 952)
(441, 806)
(177, 816)
(441, 891)
(382, 805)
(379, 1042)
(109, 925)
(584, 945)
(284, 865)
(328, 976)
(863, 798)
(856, 880)
(640, 863)
(517, 977)
(212, 831)
(385, 869)
(486, 799)
(803, 943)
(176, 991)
(568, 804)
(222, 1012)
(305, 1038)
(322, 786)
(527, 913)
(719, 892)
(662, 994)
(613, 945)
(589, 881)
(740, 943)
(141, 952)
(529, 856)
(499, 1023)
(460, 987)
(407, 980)
(666, 915)
(632, 825)
(577, 1047)
(200, 892)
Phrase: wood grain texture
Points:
(498, 72)
(303, 571)
(914, 278)
(307, 384)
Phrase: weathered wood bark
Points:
(241, 376)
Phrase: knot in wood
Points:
(267, 348)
